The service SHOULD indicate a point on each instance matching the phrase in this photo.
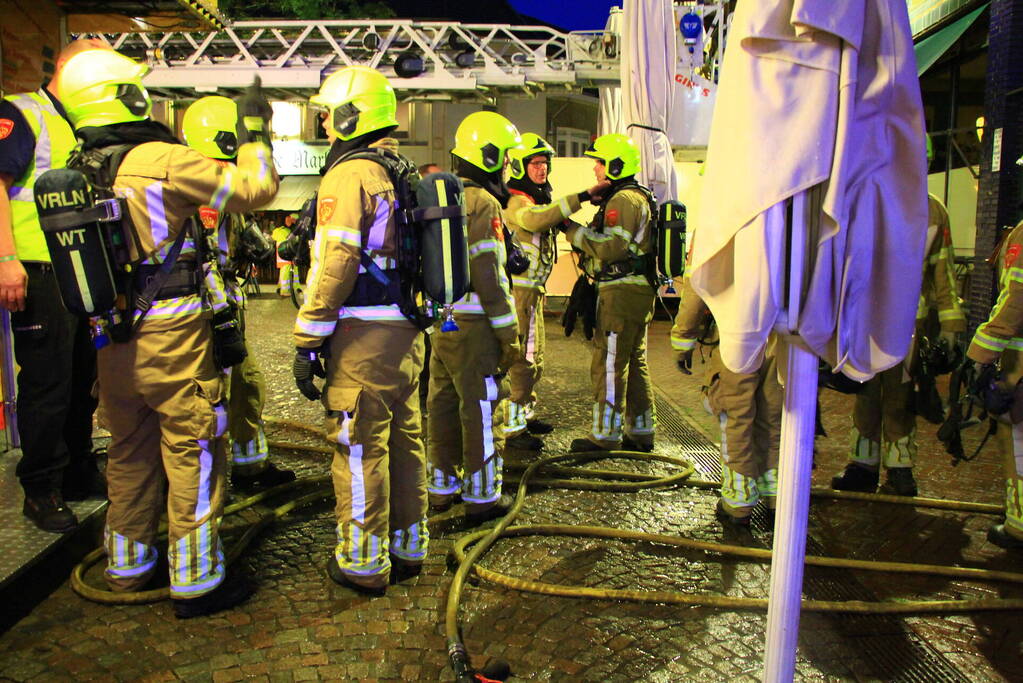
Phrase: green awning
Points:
(930, 49)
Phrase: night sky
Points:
(571, 15)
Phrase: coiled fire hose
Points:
(470, 548)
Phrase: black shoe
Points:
(49, 512)
(82, 479)
(899, 482)
(498, 508)
(998, 535)
(539, 426)
(725, 516)
(629, 445)
(583, 445)
(438, 503)
(339, 577)
(268, 477)
(231, 591)
(402, 570)
(524, 442)
(856, 478)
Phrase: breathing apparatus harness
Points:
(636, 263)
(136, 286)
(419, 208)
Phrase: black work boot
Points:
(268, 477)
(629, 445)
(402, 570)
(524, 442)
(899, 482)
(442, 503)
(722, 513)
(1001, 537)
(82, 479)
(478, 514)
(539, 426)
(339, 577)
(233, 590)
(583, 445)
(856, 477)
(49, 512)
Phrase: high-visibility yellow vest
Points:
(54, 141)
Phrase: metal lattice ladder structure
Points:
(466, 61)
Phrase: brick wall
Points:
(999, 193)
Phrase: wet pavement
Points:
(300, 626)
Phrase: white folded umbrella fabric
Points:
(812, 92)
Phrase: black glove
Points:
(576, 307)
(588, 308)
(254, 114)
(307, 364)
(685, 362)
(228, 341)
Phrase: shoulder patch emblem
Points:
(326, 208)
(495, 224)
(1011, 254)
(6, 126)
(209, 217)
(611, 217)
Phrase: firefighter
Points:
(999, 340)
(532, 216)
(884, 422)
(748, 407)
(208, 126)
(352, 330)
(468, 364)
(55, 356)
(619, 242)
(161, 394)
(286, 269)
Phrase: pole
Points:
(798, 223)
(797, 425)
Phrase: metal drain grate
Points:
(895, 652)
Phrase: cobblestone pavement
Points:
(300, 626)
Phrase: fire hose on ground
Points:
(470, 548)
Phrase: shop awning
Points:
(293, 193)
(930, 49)
(924, 14)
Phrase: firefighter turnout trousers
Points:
(246, 397)
(748, 407)
(379, 468)
(524, 375)
(618, 368)
(160, 397)
(1010, 442)
(466, 460)
(884, 425)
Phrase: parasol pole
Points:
(801, 228)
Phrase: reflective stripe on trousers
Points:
(197, 559)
